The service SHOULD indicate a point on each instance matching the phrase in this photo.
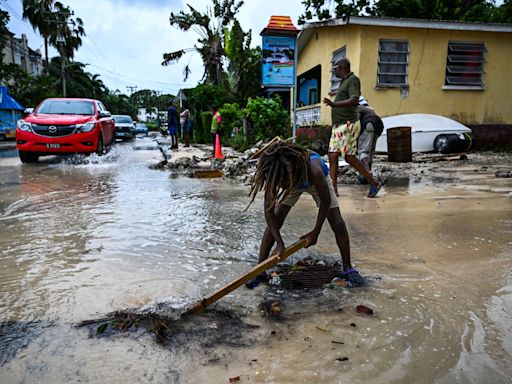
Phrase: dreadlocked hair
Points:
(281, 167)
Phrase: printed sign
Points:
(278, 61)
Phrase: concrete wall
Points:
(427, 65)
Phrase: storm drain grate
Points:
(308, 273)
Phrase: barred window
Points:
(465, 65)
(335, 81)
(393, 63)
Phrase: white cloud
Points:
(126, 39)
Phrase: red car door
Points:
(107, 125)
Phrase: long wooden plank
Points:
(261, 267)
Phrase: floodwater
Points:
(81, 239)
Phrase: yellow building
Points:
(453, 69)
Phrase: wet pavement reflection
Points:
(81, 237)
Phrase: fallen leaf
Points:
(234, 379)
(102, 328)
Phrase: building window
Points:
(335, 81)
(465, 65)
(393, 63)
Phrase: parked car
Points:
(64, 125)
(125, 128)
(141, 128)
(428, 133)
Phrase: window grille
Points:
(335, 81)
(393, 63)
(465, 64)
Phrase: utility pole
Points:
(131, 88)
(60, 41)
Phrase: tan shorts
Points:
(295, 193)
(344, 138)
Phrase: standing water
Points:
(81, 238)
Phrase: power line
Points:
(139, 80)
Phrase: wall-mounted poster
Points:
(278, 61)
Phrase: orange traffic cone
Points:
(218, 149)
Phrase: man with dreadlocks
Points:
(284, 172)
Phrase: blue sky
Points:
(126, 39)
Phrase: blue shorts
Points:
(172, 131)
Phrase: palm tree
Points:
(210, 28)
(38, 13)
(71, 30)
(51, 19)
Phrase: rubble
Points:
(242, 166)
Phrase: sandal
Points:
(374, 189)
(353, 278)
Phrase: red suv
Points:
(63, 126)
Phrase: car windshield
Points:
(123, 119)
(66, 107)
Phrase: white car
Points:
(425, 129)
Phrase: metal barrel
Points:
(399, 144)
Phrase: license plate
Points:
(52, 145)
(120, 134)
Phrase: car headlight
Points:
(87, 127)
(24, 126)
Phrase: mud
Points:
(84, 239)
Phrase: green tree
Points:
(327, 9)
(268, 118)
(244, 69)
(4, 32)
(200, 99)
(119, 104)
(69, 29)
(459, 10)
(210, 27)
(37, 12)
(52, 19)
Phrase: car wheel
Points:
(100, 149)
(28, 157)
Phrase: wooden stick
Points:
(261, 267)
(260, 151)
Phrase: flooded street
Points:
(80, 239)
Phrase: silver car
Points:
(125, 129)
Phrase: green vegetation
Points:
(459, 10)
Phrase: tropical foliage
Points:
(210, 28)
(460, 10)
(53, 22)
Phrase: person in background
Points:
(172, 124)
(216, 125)
(186, 124)
(346, 126)
(285, 171)
(371, 128)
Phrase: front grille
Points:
(123, 129)
(47, 130)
